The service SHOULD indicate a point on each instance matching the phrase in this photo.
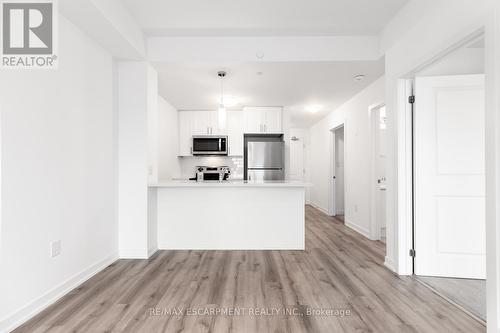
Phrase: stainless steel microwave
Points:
(210, 145)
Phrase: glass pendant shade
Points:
(221, 116)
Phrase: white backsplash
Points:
(188, 165)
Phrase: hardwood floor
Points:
(340, 270)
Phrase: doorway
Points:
(449, 177)
(338, 173)
(297, 170)
(379, 172)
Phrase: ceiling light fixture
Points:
(221, 111)
(229, 101)
(359, 77)
(313, 108)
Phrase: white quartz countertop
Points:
(230, 183)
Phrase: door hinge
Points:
(412, 252)
(411, 99)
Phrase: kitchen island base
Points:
(231, 217)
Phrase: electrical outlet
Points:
(356, 208)
(55, 248)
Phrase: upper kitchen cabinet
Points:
(235, 125)
(186, 130)
(263, 119)
(205, 123)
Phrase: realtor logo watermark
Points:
(29, 34)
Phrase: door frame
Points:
(374, 226)
(406, 197)
(332, 209)
(403, 194)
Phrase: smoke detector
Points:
(359, 77)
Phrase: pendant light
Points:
(221, 111)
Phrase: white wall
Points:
(461, 62)
(57, 175)
(137, 102)
(408, 48)
(168, 141)
(355, 115)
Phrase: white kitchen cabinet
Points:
(186, 130)
(206, 123)
(272, 122)
(202, 122)
(263, 119)
(235, 124)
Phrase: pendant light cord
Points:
(222, 90)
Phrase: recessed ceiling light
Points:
(259, 55)
(359, 77)
(313, 108)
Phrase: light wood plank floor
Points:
(339, 270)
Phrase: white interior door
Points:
(339, 171)
(380, 170)
(449, 129)
(297, 155)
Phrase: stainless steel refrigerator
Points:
(265, 160)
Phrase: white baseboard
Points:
(318, 207)
(357, 228)
(152, 251)
(390, 264)
(24, 314)
(134, 254)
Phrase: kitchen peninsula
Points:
(230, 215)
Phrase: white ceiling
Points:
(291, 84)
(263, 17)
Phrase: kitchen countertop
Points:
(230, 183)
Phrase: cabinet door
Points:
(214, 124)
(272, 122)
(185, 132)
(201, 122)
(235, 122)
(253, 118)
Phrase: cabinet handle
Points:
(191, 150)
(265, 128)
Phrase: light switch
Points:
(55, 248)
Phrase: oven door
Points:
(209, 145)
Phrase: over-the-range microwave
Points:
(210, 145)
